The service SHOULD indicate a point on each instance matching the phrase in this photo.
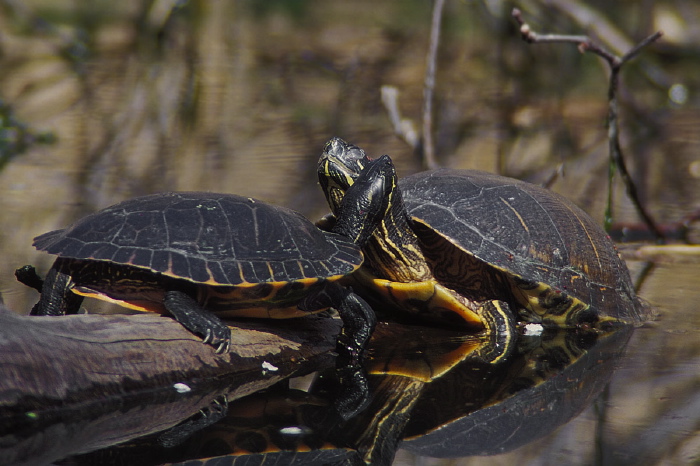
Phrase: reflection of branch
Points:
(585, 44)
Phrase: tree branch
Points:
(586, 44)
(429, 86)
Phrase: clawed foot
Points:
(27, 275)
(198, 320)
(219, 338)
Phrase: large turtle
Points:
(200, 256)
(471, 248)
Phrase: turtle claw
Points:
(224, 343)
(224, 347)
(197, 320)
(219, 337)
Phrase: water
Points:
(223, 98)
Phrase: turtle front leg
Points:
(57, 297)
(359, 320)
(27, 276)
(187, 311)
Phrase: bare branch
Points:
(586, 44)
(403, 127)
(589, 19)
(429, 86)
(532, 37)
(638, 48)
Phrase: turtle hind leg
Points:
(57, 297)
(187, 311)
(27, 276)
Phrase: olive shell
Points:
(527, 231)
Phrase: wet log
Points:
(77, 383)
(73, 357)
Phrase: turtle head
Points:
(365, 204)
(338, 168)
(365, 198)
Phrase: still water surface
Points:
(235, 99)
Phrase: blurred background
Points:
(103, 101)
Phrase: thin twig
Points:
(403, 127)
(429, 86)
(638, 48)
(556, 174)
(586, 44)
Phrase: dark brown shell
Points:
(527, 231)
(214, 239)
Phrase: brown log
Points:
(57, 357)
(71, 384)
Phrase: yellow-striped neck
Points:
(394, 251)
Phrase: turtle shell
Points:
(546, 244)
(206, 238)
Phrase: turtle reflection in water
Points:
(471, 408)
(499, 409)
(484, 251)
(201, 256)
(421, 401)
(289, 426)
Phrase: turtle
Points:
(471, 248)
(201, 256)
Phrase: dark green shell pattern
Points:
(217, 239)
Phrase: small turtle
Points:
(200, 256)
